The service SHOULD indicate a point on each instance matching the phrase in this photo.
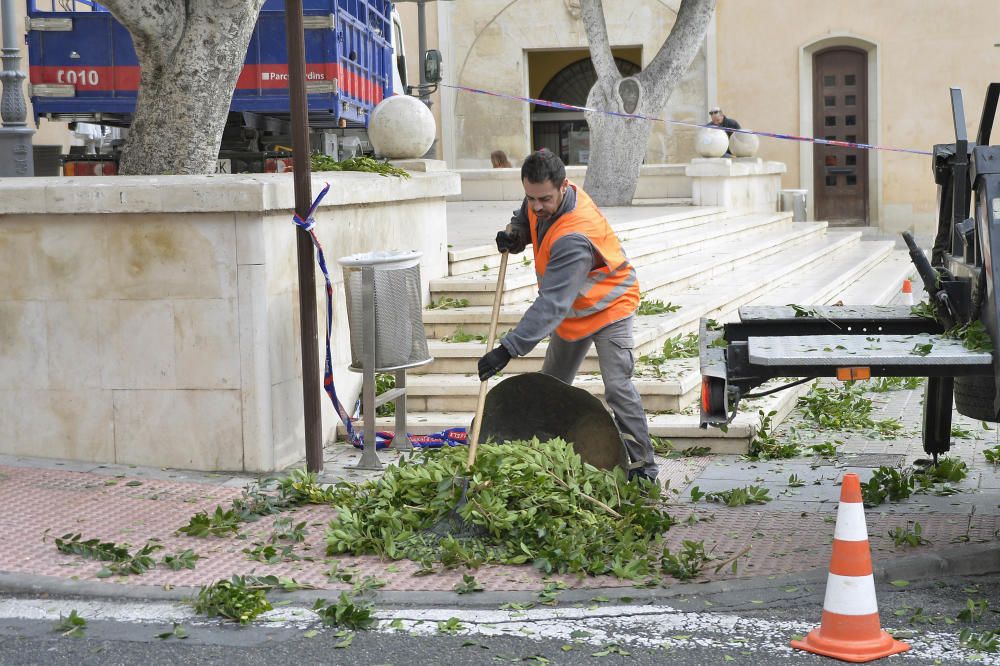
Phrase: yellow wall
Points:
(922, 47)
(543, 65)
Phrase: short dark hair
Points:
(543, 165)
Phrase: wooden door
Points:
(840, 112)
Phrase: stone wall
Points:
(154, 320)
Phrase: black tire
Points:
(974, 397)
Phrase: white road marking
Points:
(627, 626)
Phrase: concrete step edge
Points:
(655, 327)
(520, 276)
(635, 245)
(485, 249)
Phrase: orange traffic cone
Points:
(850, 628)
(907, 292)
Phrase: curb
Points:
(971, 560)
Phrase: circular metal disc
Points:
(537, 405)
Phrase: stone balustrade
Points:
(741, 183)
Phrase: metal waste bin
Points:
(385, 315)
(399, 339)
(794, 201)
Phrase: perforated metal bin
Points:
(399, 340)
(387, 334)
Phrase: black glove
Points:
(512, 239)
(493, 362)
(506, 242)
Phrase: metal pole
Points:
(16, 157)
(401, 441)
(306, 259)
(422, 48)
(369, 455)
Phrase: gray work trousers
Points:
(614, 345)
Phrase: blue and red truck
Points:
(83, 68)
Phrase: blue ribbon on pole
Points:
(451, 436)
(309, 226)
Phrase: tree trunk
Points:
(191, 55)
(617, 144)
(617, 148)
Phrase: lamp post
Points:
(15, 135)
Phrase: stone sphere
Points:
(743, 145)
(711, 142)
(401, 127)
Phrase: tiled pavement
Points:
(43, 499)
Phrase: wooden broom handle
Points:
(483, 385)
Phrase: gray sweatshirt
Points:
(571, 259)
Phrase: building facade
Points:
(538, 48)
(856, 71)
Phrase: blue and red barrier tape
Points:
(773, 135)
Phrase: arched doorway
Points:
(840, 113)
(565, 133)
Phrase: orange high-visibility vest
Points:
(611, 292)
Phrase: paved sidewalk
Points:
(791, 534)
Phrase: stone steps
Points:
(629, 224)
(706, 261)
(725, 236)
(824, 282)
(672, 386)
(884, 283)
(735, 288)
(681, 429)
(459, 392)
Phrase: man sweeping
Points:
(587, 294)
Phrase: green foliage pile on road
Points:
(531, 501)
(365, 164)
(242, 598)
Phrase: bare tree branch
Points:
(597, 36)
(677, 52)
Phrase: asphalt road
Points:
(744, 626)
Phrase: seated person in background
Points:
(719, 119)
(499, 160)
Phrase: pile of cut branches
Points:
(531, 502)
